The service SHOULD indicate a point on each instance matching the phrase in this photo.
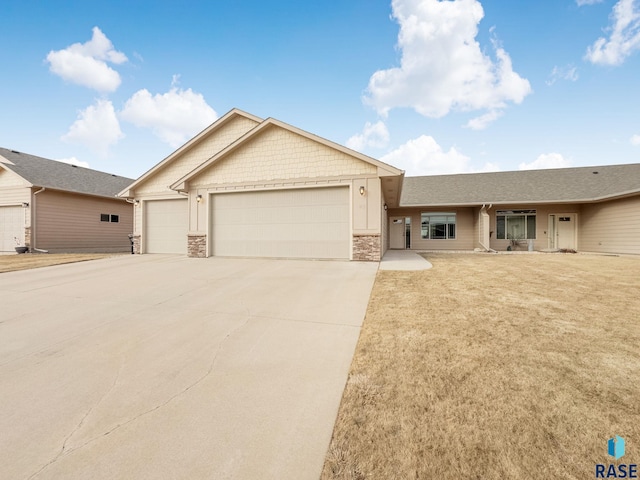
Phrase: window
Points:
(438, 225)
(105, 217)
(515, 224)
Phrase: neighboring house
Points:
(592, 209)
(248, 187)
(57, 207)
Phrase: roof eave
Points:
(383, 169)
(189, 144)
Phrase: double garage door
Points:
(11, 227)
(297, 223)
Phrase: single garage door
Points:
(166, 226)
(11, 227)
(299, 223)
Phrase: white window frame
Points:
(526, 213)
(448, 223)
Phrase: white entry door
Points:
(562, 227)
(396, 233)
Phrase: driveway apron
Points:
(157, 366)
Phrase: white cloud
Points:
(74, 161)
(373, 135)
(624, 36)
(443, 67)
(635, 140)
(174, 117)
(569, 73)
(423, 156)
(546, 160)
(587, 2)
(86, 63)
(483, 121)
(97, 127)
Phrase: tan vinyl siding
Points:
(15, 196)
(464, 228)
(10, 179)
(68, 222)
(611, 227)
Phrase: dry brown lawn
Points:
(10, 263)
(494, 367)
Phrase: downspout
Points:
(488, 249)
(34, 224)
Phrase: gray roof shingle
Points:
(42, 172)
(560, 185)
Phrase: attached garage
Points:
(11, 227)
(166, 226)
(295, 223)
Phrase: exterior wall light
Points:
(136, 202)
(362, 190)
(25, 204)
(385, 207)
(199, 198)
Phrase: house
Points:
(592, 209)
(57, 207)
(261, 188)
(252, 187)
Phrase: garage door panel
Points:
(11, 227)
(304, 223)
(166, 224)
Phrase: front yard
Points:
(494, 367)
(12, 263)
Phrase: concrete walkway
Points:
(165, 367)
(403, 260)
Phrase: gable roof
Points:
(231, 114)
(558, 185)
(383, 168)
(42, 172)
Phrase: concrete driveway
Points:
(164, 367)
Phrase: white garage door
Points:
(300, 223)
(166, 226)
(11, 227)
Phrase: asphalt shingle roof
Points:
(526, 186)
(42, 172)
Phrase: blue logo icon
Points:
(616, 447)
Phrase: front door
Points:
(562, 230)
(396, 233)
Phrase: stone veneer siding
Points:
(136, 244)
(197, 246)
(366, 248)
(27, 236)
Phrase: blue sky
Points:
(431, 87)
